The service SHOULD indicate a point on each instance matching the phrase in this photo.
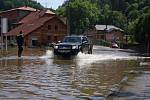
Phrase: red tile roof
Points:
(31, 22)
(21, 8)
(29, 27)
(49, 12)
(31, 17)
(26, 8)
(34, 16)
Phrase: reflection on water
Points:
(48, 77)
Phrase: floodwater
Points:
(38, 75)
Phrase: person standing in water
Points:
(20, 42)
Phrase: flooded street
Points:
(38, 75)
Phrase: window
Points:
(49, 27)
(102, 37)
(56, 27)
(34, 42)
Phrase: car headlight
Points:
(56, 46)
(75, 47)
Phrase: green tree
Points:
(118, 19)
(142, 29)
(130, 15)
(81, 15)
(9, 4)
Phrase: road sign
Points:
(4, 25)
(4, 30)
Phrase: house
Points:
(15, 15)
(40, 27)
(109, 33)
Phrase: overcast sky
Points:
(51, 3)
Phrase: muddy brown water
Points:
(39, 75)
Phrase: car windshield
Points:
(72, 39)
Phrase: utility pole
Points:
(68, 18)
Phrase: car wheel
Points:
(81, 50)
(90, 51)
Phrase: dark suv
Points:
(72, 45)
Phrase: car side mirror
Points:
(84, 42)
(52, 44)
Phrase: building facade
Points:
(15, 15)
(108, 33)
(52, 31)
(40, 27)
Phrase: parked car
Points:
(114, 45)
(72, 45)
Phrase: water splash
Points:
(48, 55)
(87, 59)
(22, 57)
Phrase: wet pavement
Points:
(39, 75)
(137, 89)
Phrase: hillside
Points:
(9, 4)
